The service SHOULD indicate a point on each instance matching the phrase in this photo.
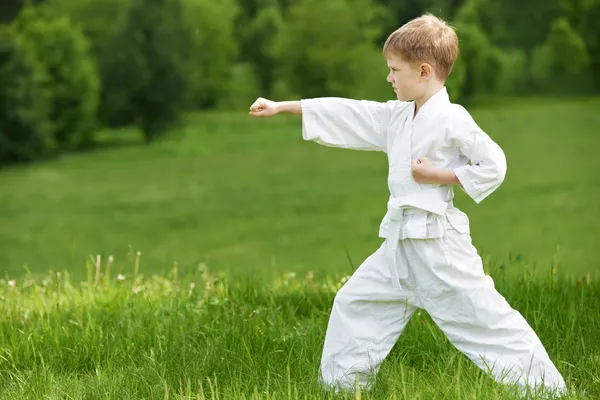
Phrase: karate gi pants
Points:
(447, 280)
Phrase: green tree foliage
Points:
(212, 51)
(456, 80)
(242, 88)
(125, 62)
(323, 46)
(488, 68)
(373, 84)
(207, 26)
(257, 25)
(49, 88)
(514, 77)
(561, 63)
(513, 23)
(400, 12)
(259, 38)
(101, 21)
(71, 76)
(589, 29)
(26, 132)
(146, 74)
(479, 63)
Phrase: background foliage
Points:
(74, 65)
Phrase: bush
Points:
(71, 76)
(242, 90)
(561, 63)
(204, 57)
(146, 80)
(514, 78)
(481, 68)
(456, 80)
(257, 39)
(280, 91)
(100, 21)
(373, 85)
(323, 48)
(26, 132)
(212, 49)
(589, 30)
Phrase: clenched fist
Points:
(423, 170)
(263, 108)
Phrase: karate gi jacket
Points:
(442, 131)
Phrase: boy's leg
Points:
(477, 320)
(367, 317)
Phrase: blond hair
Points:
(425, 39)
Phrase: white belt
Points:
(432, 200)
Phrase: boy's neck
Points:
(431, 90)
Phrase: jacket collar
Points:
(433, 104)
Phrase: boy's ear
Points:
(426, 71)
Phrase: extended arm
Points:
(335, 122)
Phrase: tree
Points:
(25, 125)
(589, 30)
(513, 23)
(561, 63)
(101, 22)
(400, 12)
(71, 76)
(258, 41)
(242, 88)
(146, 74)
(479, 64)
(212, 50)
(322, 48)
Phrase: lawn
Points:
(204, 266)
(201, 336)
(251, 197)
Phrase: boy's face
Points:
(408, 81)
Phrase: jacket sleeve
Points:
(346, 123)
(487, 168)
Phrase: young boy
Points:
(427, 259)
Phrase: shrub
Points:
(26, 132)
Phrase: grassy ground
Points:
(225, 211)
(249, 196)
(202, 337)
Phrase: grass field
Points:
(202, 337)
(245, 233)
(249, 196)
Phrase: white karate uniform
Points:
(427, 259)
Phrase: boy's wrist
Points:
(289, 107)
(443, 176)
(278, 107)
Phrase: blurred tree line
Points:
(68, 67)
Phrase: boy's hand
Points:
(263, 108)
(424, 171)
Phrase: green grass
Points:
(250, 197)
(204, 337)
(267, 227)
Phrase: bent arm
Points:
(487, 169)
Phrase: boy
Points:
(427, 259)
